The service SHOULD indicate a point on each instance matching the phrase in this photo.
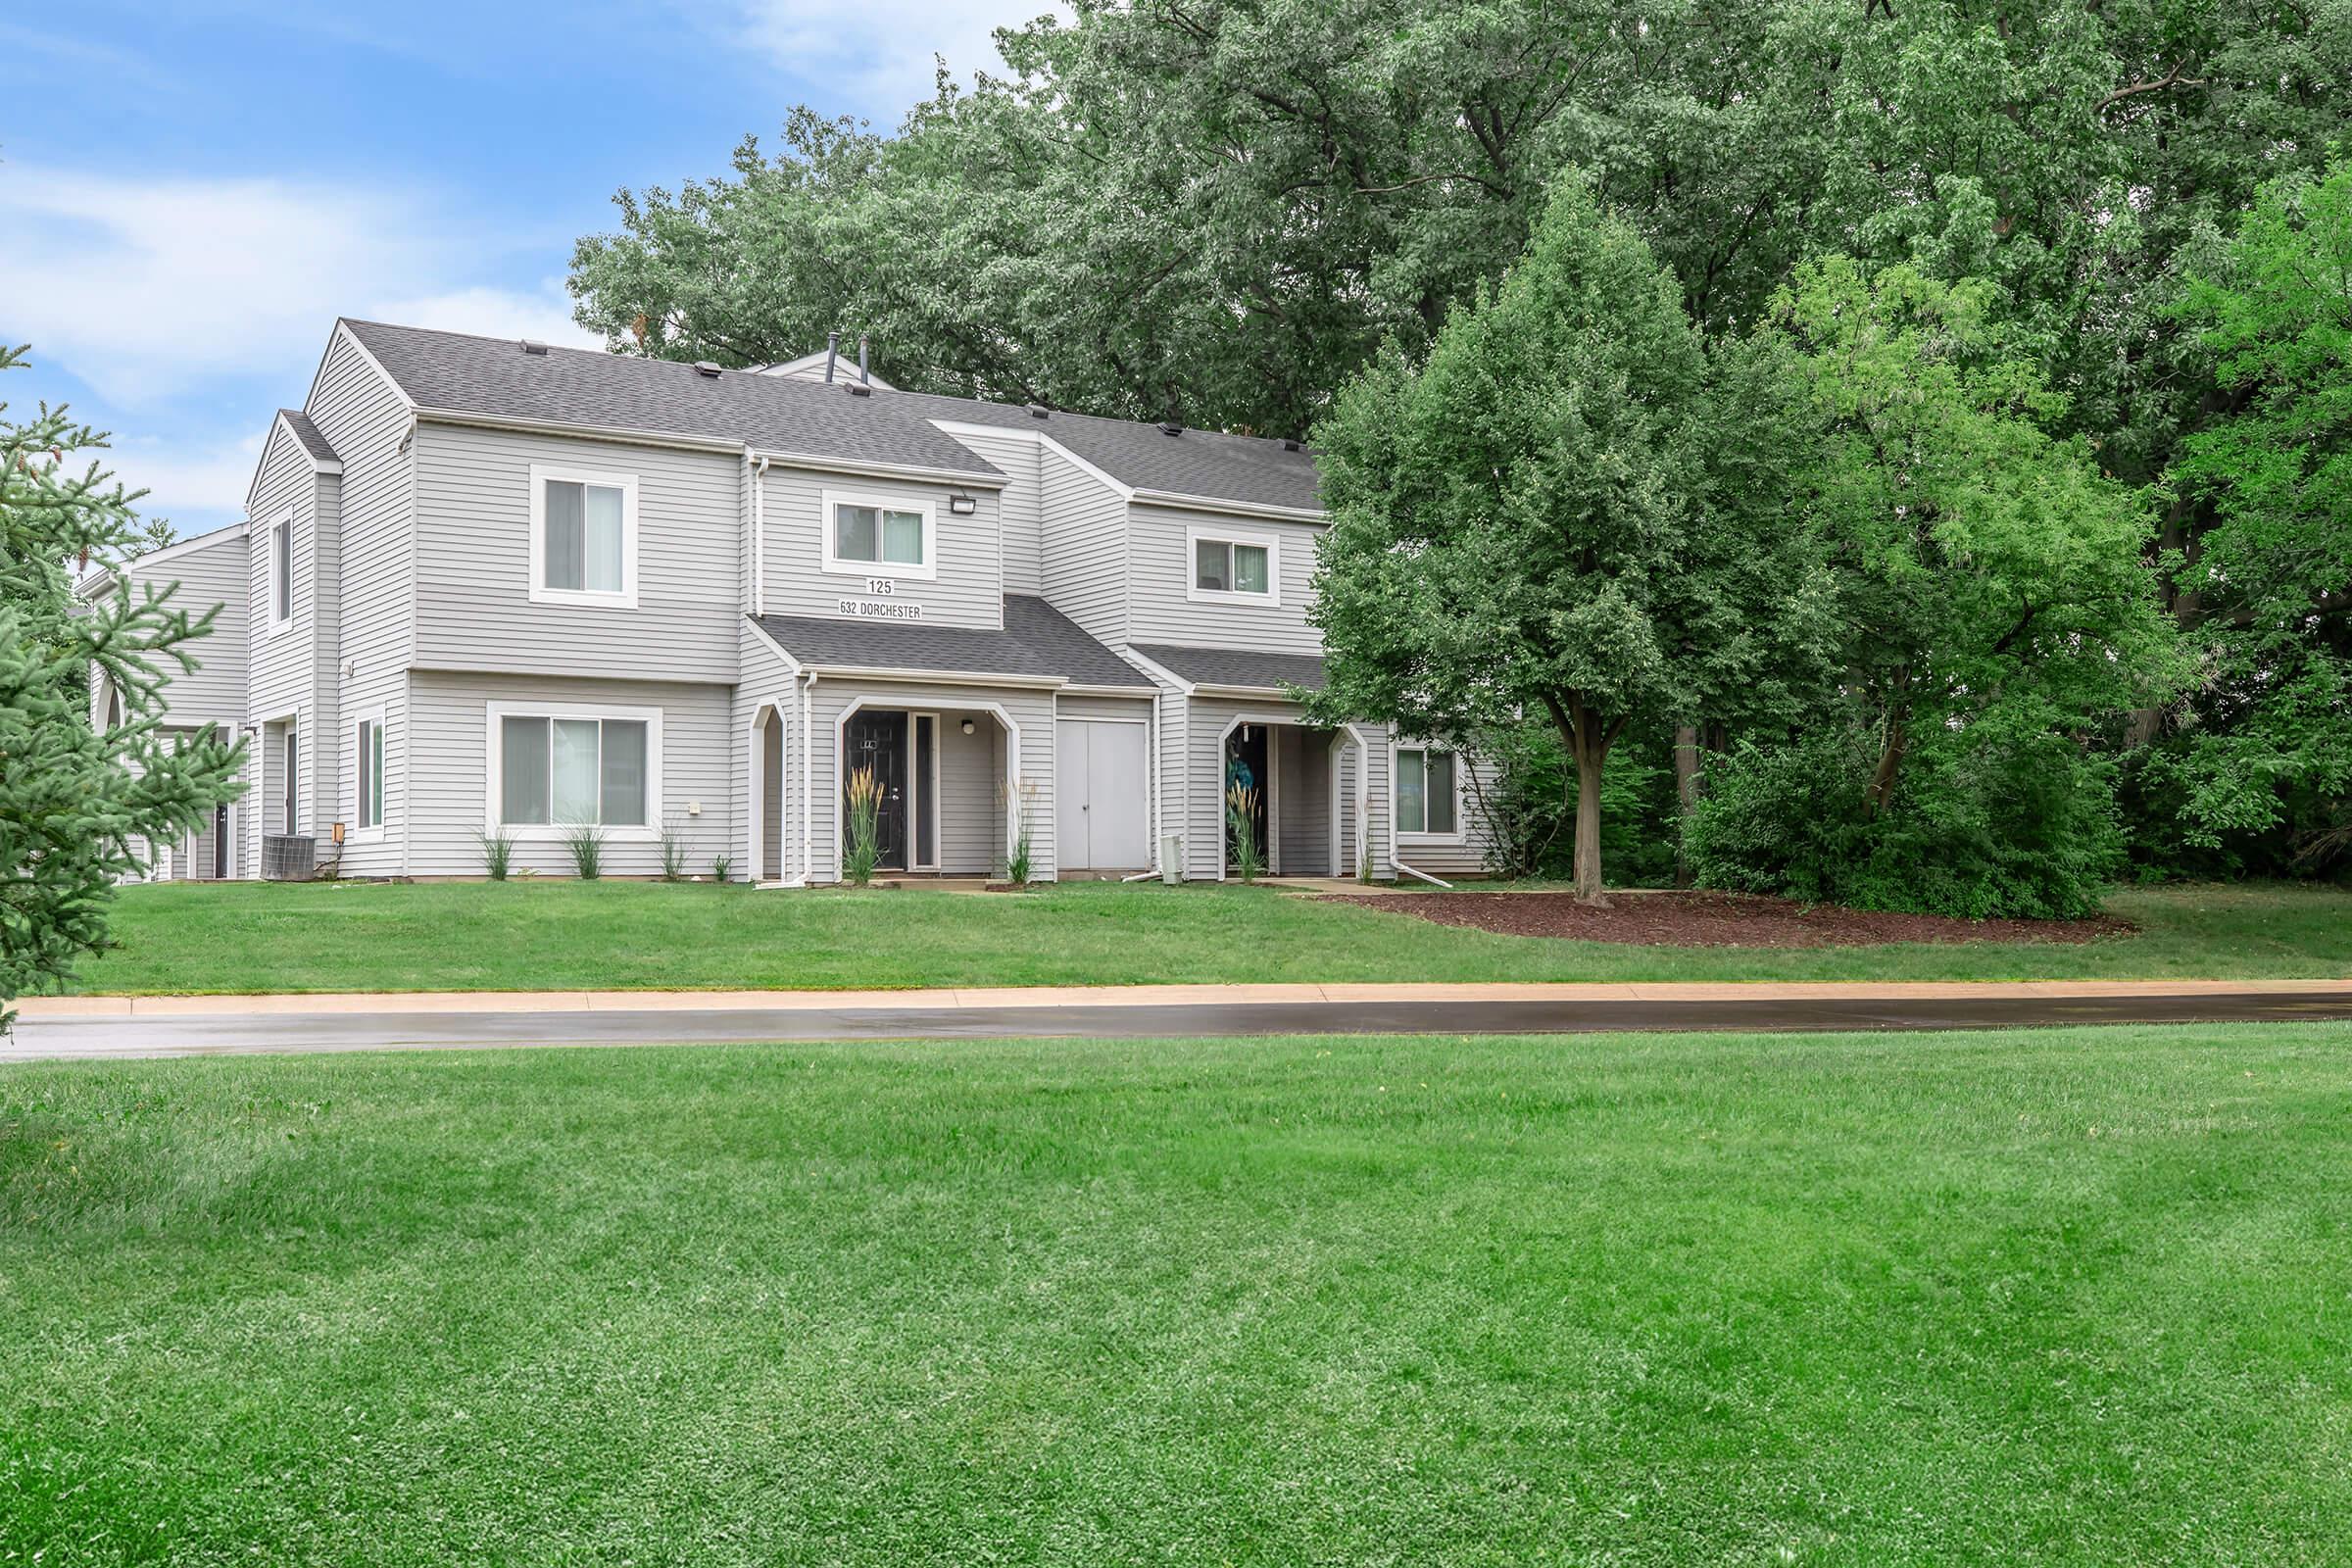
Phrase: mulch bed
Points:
(1695, 919)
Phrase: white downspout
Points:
(759, 550)
(808, 780)
(1423, 875)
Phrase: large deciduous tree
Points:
(75, 794)
(1523, 524)
(2271, 593)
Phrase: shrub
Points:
(587, 848)
(1521, 795)
(1982, 826)
(863, 850)
(498, 855)
(1241, 821)
(719, 866)
(1019, 854)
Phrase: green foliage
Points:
(2268, 742)
(498, 855)
(2022, 826)
(1528, 522)
(674, 850)
(1241, 833)
(1524, 794)
(863, 850)
(74, 796)
(586, 847)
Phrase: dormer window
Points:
(878, 536)
(583, 537)
(1235, 566)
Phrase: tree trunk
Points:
(1891, 763)
(1686, 790)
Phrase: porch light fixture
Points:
(963, 506)
(968, 726)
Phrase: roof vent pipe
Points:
(863, 374)
(832, 348)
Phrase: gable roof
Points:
(1237, 668)
(1038, 642)
(812, 367)
(457, 373)
(313, 442)
(1197, 465)
(780, 414)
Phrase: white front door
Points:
(1103, 808)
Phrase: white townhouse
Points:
(490, 587)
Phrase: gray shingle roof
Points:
(1036, 640)
(1234, 667)
(1199, 463)
(494, 376)
(307, 434)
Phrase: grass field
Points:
(235, 937)
(2072, 1297)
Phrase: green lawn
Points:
(618, 935)
(2071, 1296)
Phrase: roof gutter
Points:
(941, 677)
(988, 480)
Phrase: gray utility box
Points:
(288, 857)
(1171, 857)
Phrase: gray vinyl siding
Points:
(1176, 787)
(767, 679)
(281, 664)
(968, 590)
(974, 823)
(1160, 575)
(1378, 839)
(1302, 803)
(1083, 554)
(449, 803)
(1019, 505)
(364, 665)
(210, 574)
(474, 609)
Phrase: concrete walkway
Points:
(120, 1027)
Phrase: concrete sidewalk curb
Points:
(1146, 996)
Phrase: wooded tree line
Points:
(1934, 416)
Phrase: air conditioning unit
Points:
(288, 857)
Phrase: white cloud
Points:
(183, 301)
(877, 53)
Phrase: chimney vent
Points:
(707, 368)
(531, 345)
(863, 374)
(832, 349)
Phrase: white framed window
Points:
(289, 780)
(367, 752)
(1229, 567)
(583, 537)
(282, 573)
(1425, 791)
(879, 535)
(554, 767)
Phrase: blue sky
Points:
(192, 190)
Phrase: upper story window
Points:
(879, 537)
(1241, 568)
(583, 537)
(281, 572)
(1425, 787)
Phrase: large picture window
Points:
(583, 537)
(1426, 799)
(878, 536)
(1243, 569)
(568, 769)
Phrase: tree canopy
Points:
(75, 796)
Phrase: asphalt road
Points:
(39, 1039)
